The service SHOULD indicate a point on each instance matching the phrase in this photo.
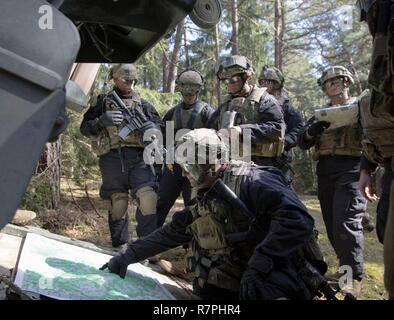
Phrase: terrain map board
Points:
(63, 271)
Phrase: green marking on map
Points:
(75, 279)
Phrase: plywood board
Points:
(9, 249)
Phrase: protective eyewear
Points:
(334, 82)
(233, 80)
(263, 82)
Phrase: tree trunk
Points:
(50, 168)
(279, 32)
(186, 47)
(173, 68)
(217, 51)
(358, 85)
(235, 26)
(165, 71)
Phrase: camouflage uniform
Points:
(379, 16)
(121, 161)
(256, 111)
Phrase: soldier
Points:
(378, 149)
(379, 15)
(121, 158)
(247, 229)
(191, 113)
(338, 153)
(256, 111)
(273, 80)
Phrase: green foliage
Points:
(161, 101)
(36, 196)
(78, 160)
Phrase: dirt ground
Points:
(85, 218)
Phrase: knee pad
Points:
(147, 200)
(119, 204)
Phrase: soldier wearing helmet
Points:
(121, 158)
(245, 225)
(191, 113)
(338, 153)
(273, 79)
(249, 110)
(377, 118)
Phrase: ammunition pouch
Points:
(215, 271)
(269, 150)
(101, 143)
(208, 233)
(342, 141)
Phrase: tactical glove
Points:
(119, 263)
(318, 128)
(111, 118)
(149, 125)
(253, 279)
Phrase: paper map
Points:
(62, 271)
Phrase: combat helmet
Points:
(233, 65)
(125, 71)
(191, 77)
(273, 74)
(335, 72)
(208, 146)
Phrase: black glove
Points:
(253, 279)
(318, 128)
(149, 125)
(111, 118)
(119, 263)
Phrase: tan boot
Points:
(23, 217)
(352, 290)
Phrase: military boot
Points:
(367, 223)
(353, 290)
(23, 217)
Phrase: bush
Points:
(37, 196)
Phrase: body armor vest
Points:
(108, 137)
(216, 262)
(188, 118)
(378, 134)
(344, 141)
(247, 109)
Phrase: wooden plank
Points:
(9, 252)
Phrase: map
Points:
(62, 271)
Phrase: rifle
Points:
(228, 195)
(136, 120)
(315, 282)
